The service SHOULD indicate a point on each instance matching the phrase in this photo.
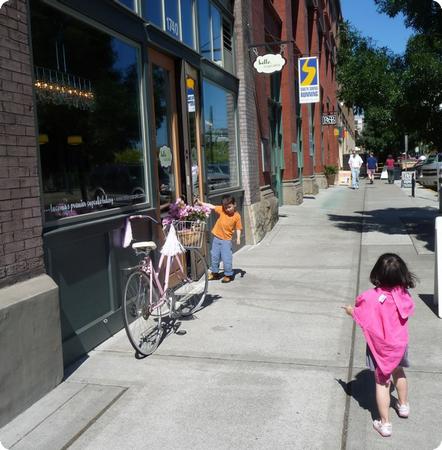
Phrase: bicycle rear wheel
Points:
(142, 318)
(191, 289)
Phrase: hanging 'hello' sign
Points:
(269, 63)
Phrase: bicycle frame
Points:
(154, 277)
(148, 268)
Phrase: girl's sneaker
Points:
(384, 429)
(403, 410)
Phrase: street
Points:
(272, 361)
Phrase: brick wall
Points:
(248, 121)
(21, 247)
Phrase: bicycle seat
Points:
(146, 245)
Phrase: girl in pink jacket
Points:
(382, 313)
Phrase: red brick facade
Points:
(306, 28)
(21, 247)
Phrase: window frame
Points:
(139, 11)
(234, 93)
(144, 126)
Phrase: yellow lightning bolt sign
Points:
(311, 74)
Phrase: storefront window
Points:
(129, 3)
(220, 137)
(204, 29)
(216, 36)
(152, 10)
(178, 18)
(89, 120)
(187, 22)
(211, 32)
(171, 20)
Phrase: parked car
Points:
(218, 175)
(418, 167)
(123, 182)
(429, 171)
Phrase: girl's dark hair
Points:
(228, 200)
(390, 271)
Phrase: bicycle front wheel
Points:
(141, 315)
(191, 290)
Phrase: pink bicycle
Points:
(176, 287)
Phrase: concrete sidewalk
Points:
(271, 361)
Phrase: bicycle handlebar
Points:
(140, 216)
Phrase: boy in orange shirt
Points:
(228, 221)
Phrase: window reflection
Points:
(191, 114)
(129, 3)
(152, 10)
(220, 137)
(216, 36)
(171, 19)
(88, 109)
(163, 138)
(187, 22)
(204, 29)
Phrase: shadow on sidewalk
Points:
(428, 299)
(418, 222)
(362, 389)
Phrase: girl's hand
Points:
(348, 309)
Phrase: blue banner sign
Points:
(309, 89)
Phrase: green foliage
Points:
(330, 170)
(422, 15)
(370, 80)
(421, 110)
(129, 155)
(398, 94)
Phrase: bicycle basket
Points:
(190, 233)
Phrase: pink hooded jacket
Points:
(383, 315)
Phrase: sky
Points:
(385, 31)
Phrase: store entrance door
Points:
(192, 132)
(166, 137)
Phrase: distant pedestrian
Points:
(382, 313)
(390, 168)
(372, 167)
(355, 162)
(228, 221)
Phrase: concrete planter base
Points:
(310, 185)
(30, 342)
(260, 217)
(292, 192)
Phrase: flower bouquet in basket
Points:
(189, 222)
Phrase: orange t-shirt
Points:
(225, 225)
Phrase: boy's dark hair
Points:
(228, 200)
(390, 271)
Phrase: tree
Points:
(422, 15)
(421, 110)
(370, 81)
